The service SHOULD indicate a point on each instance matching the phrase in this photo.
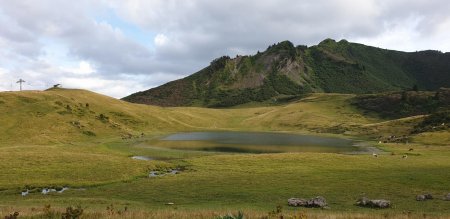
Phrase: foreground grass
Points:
(209, 214)
(77, 166)
(259, 182)
(262, 181)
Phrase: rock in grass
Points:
(363, 201)
(421, 198)
(297, 202)
(381, 203)
(376, 203)
(317, 202)
(447, 197)
(424, 197)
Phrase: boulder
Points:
(447, 197)
(363, 201)
(317, 202)
(381, 203)
(420, 198)
(297, 202)
(423, 197)
(376, 203)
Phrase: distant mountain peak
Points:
(285, 71)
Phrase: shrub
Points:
(48, 212)
(72, 212)
(434, 122)
(103, 118)
(112, 211)
(240, 215)
(277, 213)
(14, 215)
(89, 133)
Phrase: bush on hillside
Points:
(403, 104)
(435, 122)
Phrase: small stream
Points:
(45, 191)
(163, 173)
(142, 158)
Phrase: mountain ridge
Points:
(284, 71)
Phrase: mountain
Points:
(284, 72)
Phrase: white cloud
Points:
(84, 68)
(401, 35)
(56, 41)
(114, 88)
(4, 83)
(161, 40)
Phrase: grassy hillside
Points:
(69, 116)
(284, 72)
(65, 115)
(46, 144)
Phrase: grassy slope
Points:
(41, 117)
(40, 147)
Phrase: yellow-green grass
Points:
(317, 112)
(60, 165)
(266, 180)
(55, 116)
(40, 146)
(261, 182)
(436, 138)
(61, 116)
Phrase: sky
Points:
(119, 47)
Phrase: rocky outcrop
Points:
(376, 203)
(317, 202)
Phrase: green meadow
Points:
(85, 141)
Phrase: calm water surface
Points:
(259, 142)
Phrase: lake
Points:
(258, 142)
